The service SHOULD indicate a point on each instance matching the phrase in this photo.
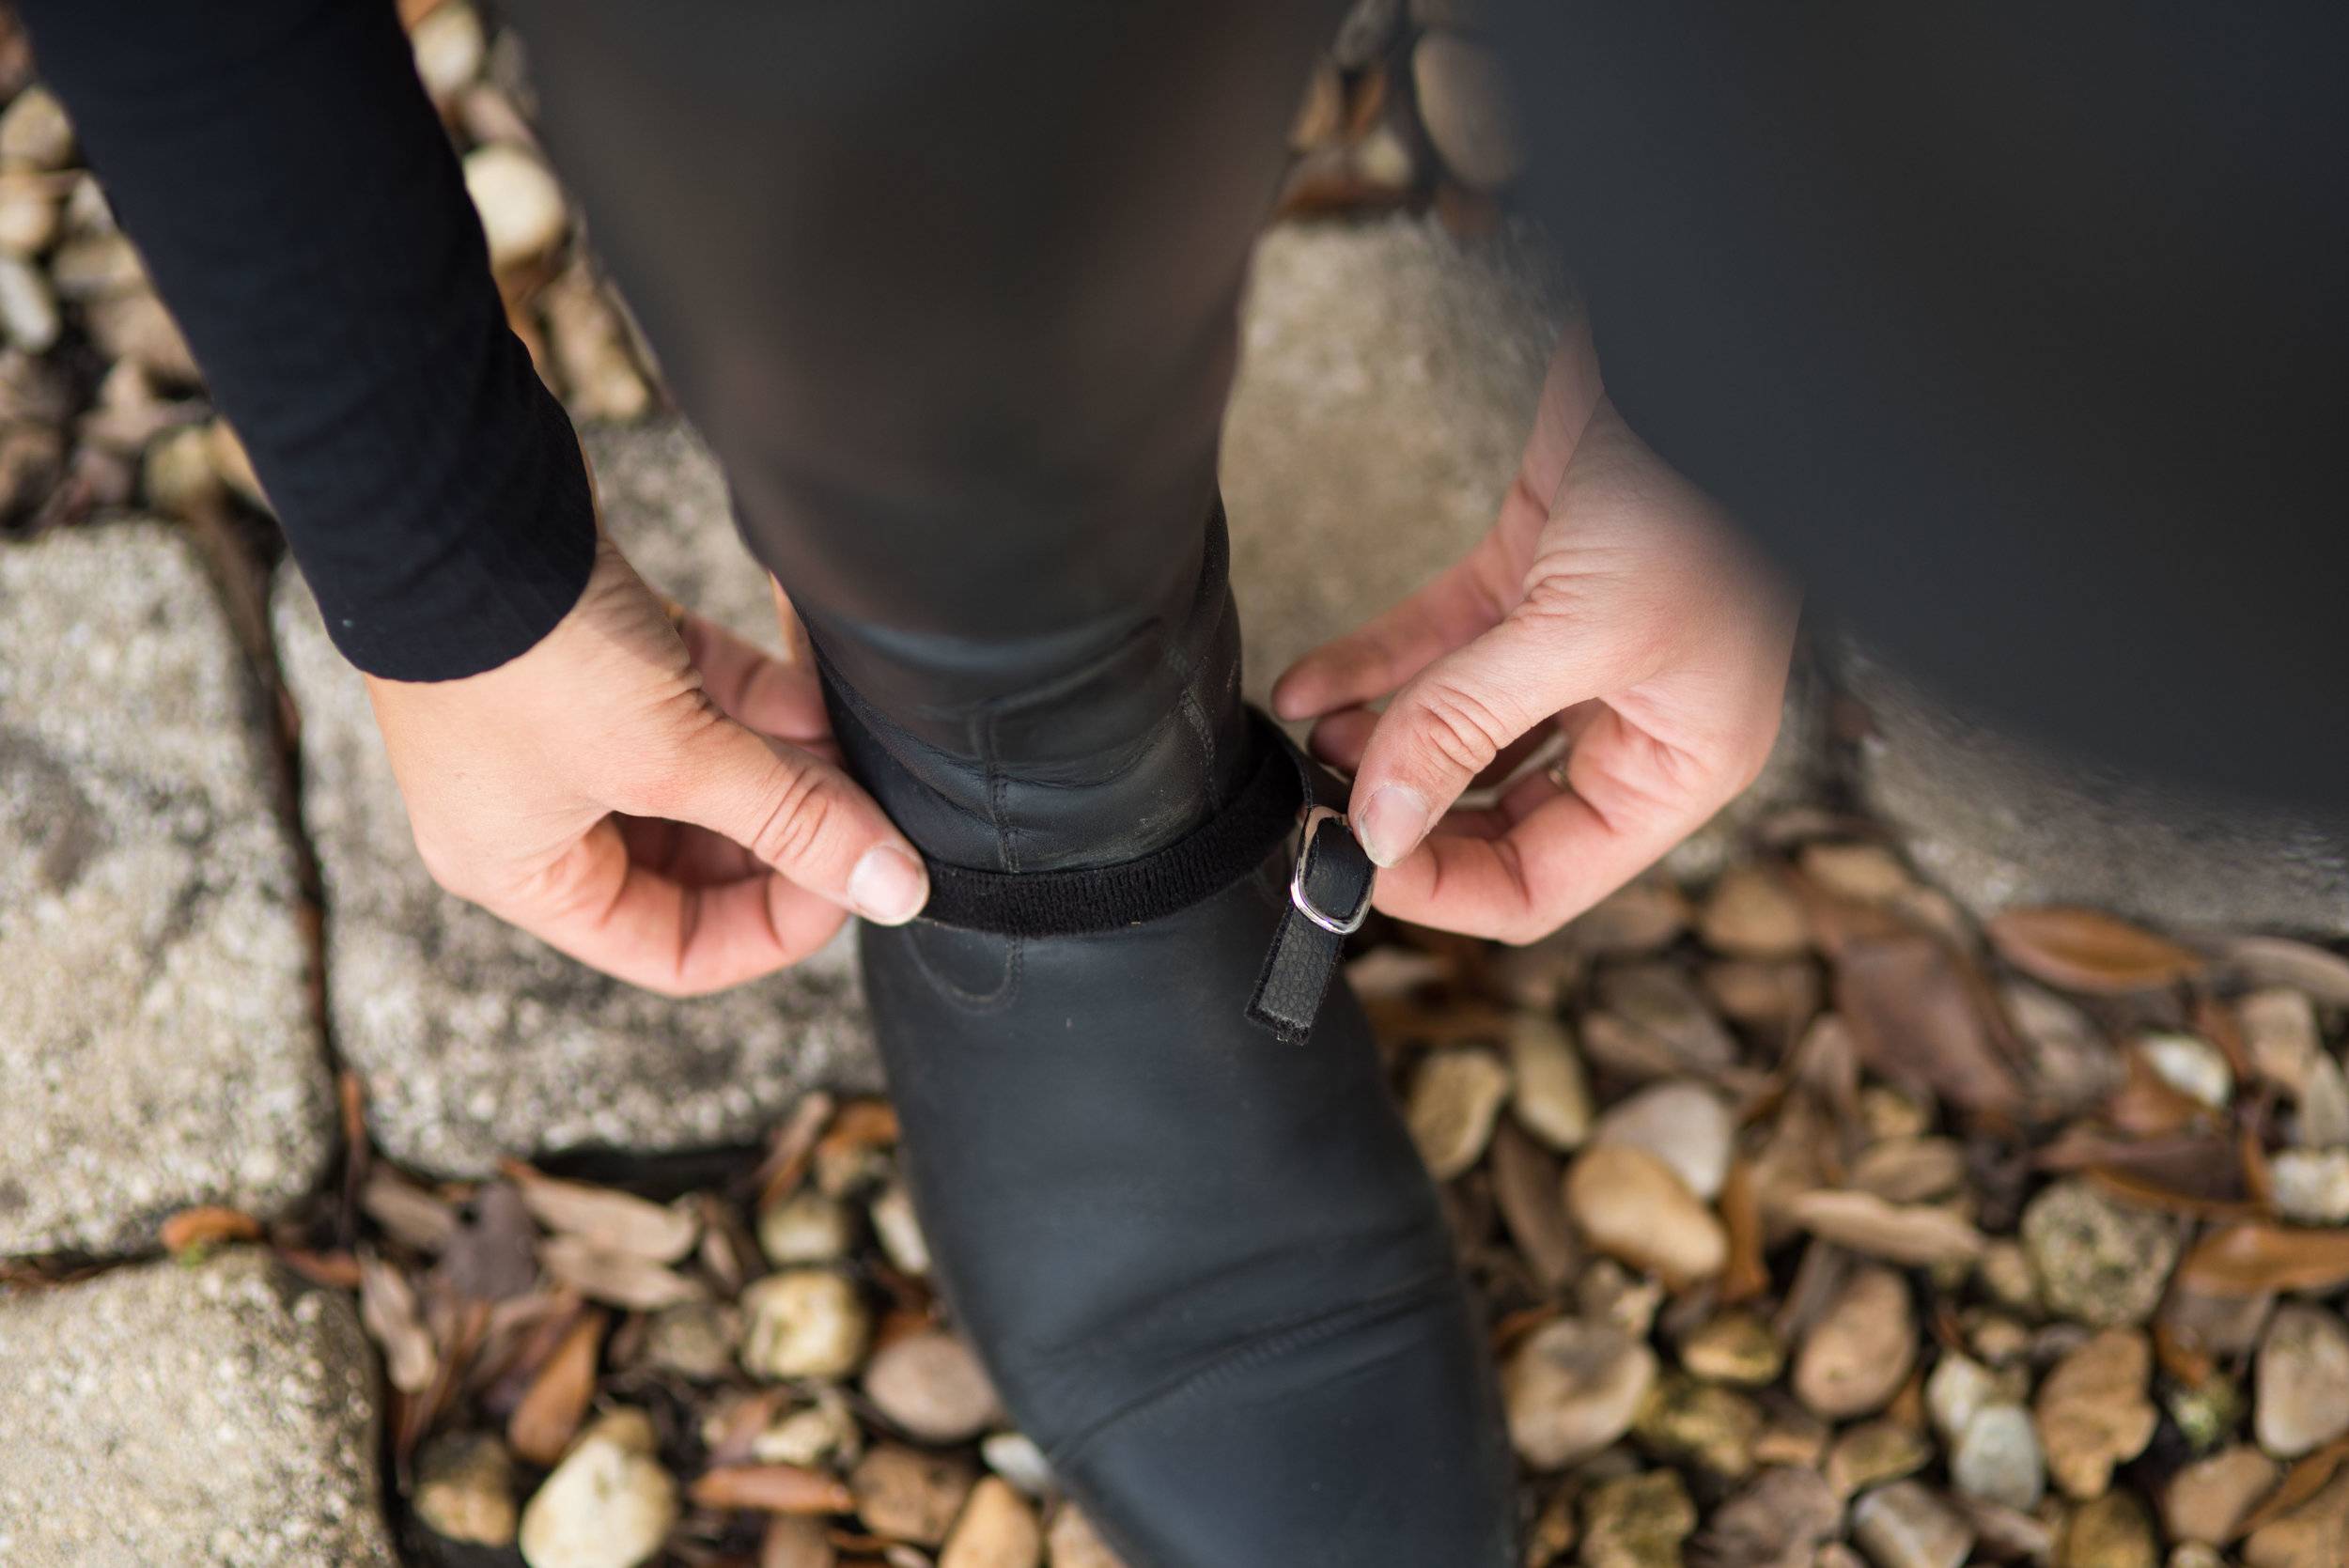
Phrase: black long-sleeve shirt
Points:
(303, 213)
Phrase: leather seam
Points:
(1254, 1352)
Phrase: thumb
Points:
(802, 816)
(1453, 720)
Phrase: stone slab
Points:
(2000, 822)
(158, 1046)
(477, 1041)
(215, 1416)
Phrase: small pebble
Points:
(1018, 1460)
(1464, 102)
(1702, 1423)
(1572, 1387)
(1778, 1521)
(1637, 1521)
(464, 1489)
(2301, 1382)
(1736, 1347)
(1958, 1387)
(1552, 1097)
(28, 311)
(521, 208)
(449, 47)
(1631, 1206)
(1861, 1349)
(2097, 1261)
(998, 1529)
(908, 1495)
(1075, 1544)
(2194, 1068)
(803, 1323)
(1454, 1096)
(2310, 1185)
(29, 213)
(608, 1504)
(2280, 1034)
(806, 1227)
(1868, 873)
(2313, 1535)
(1873, 1452)
(2207, 1500)
(1751, 914)
(932, 1385)
(2092, 1411)
(35, 133)
(1998, 1458)
(696, 1340)
(823, 1433)
(900, 1230)
(1683, 1123)
(1905, 1525)
(2109, 1533)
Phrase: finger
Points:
(622, 917)
(1339, 738)
(797, 814)
(770, 694)
(1457, 718)
(1470, 595)
(1625, 804)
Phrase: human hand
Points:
(1612, 601)
(646, 795)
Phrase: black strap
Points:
(1329, 897)
(1189, 871)
(1333, 875)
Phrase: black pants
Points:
(952, 289)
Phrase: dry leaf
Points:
(772, 1489)
(208, 1226)
(619, 1279)
(2081, 950)
(785, 1166)
(2300, 1483)
(1527, 1189)
(2252, 1259)
(1920, 1017)
(2281, 961)
(1745, 1276)
(387, 1305)
(614, 1221)
(1906, 1234)
(493, 1256)
(423, 1220)
(548, 1418)
(334, 1270)
(1910, 1170)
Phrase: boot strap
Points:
(1328, 893)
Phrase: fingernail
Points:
(888, 886)
(1391, 823)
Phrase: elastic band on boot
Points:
(1329, 896)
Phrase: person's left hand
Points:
(1612, 600)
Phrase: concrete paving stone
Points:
(220, 1415)
(158, 1047)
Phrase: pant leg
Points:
(951, 286)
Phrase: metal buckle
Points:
(1337, 925)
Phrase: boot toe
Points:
(1367, 1439)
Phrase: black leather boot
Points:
(1205, 1266)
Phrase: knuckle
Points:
(796, 821)
(1461, 727)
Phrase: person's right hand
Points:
(645, 796)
